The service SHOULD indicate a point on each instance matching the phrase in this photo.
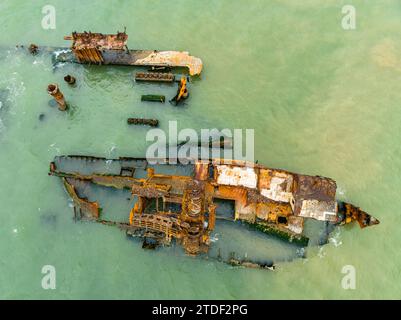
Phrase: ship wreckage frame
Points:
(272, 201)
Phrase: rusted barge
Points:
(183, 207)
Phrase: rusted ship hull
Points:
(111, 49)
(139, 58)
(269, 200)
(98, 48)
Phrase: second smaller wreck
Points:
(98, 48)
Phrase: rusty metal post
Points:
(33, 49)
(69, 79)
(55, 92)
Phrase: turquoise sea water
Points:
(321, 100)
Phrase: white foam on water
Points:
(53, 147)
(58, 52)
(335, 239)
(43, 64)
(321, 254)
(112, 151)
(1, 121)
(70, 203)
(214, 238)
(15, 89)
(59, 65)
(341, 191)
(300, 252)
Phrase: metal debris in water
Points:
(153, 98)
(182, 92)
(141, 121)
(154, 77)
(69, 79)
(33, 49)
(55, 92)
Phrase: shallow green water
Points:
(321, 100)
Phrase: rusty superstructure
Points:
(88, 46)
(183, 207)
(98, 48)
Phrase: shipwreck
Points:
(184, 208)
(111, 49)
